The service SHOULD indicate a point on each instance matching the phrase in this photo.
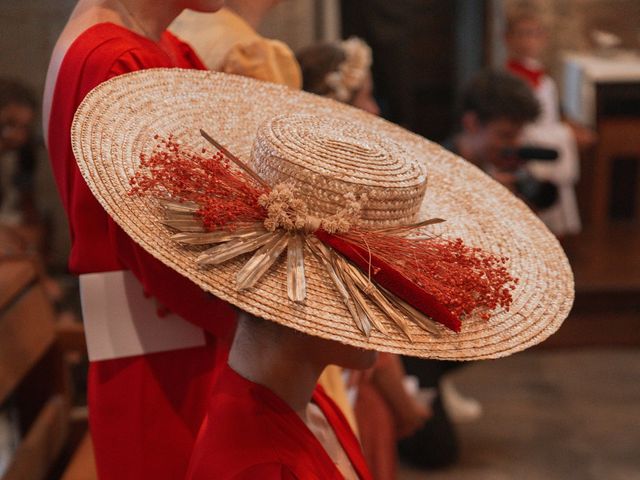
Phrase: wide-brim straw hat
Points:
(325, 148)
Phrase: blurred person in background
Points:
(342, 71)
(22, 229)
(228, 41)
(145, 407)
(495, 108)
(526, 39)
(18, 107)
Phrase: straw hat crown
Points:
(324, 159)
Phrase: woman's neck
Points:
(145, 17)
(279, 362)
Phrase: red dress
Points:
(250, 433)
(145, 411)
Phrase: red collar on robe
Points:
(527, 72)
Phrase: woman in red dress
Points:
(145, 409)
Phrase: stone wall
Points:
(28, 31)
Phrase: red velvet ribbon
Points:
(392, 279)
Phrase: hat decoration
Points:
(341, 169)
(217, 201)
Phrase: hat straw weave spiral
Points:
(324, 149)
(325, 158)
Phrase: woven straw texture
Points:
(326, 149)
(326, 157)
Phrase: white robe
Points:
(549, 131)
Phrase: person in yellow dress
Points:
(228, 41)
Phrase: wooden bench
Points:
(619, 137)
(82, 465)
(32, 374)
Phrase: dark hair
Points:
(13, 91)
(316, 62)
(495, 94)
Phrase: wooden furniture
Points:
(598, 86)
(82, 465)
(32, 373)
(619, 137)
(604, 93)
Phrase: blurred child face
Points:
(16, 122)
(364, 99)
(527, 39)
(491, 139)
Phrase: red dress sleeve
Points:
(98, 244)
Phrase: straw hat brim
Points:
(119, 119)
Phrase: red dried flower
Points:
(225, 194)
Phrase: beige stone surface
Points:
(570, 415)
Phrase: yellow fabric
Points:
(269, 60)
(226, 43)
(333, 383)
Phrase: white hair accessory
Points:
(352, 72)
